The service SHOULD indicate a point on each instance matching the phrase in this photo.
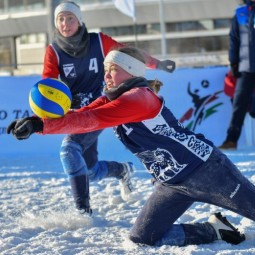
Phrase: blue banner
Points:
(195, 96)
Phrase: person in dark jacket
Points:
(76, 57)
(242, 63)
(186, 166)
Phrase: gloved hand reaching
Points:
(23, 128)
(234, 70)
(166, 65)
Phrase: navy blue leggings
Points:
(216, 182)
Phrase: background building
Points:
(192, 32)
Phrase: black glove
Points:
(166, 65)
(76, 102)
(23, 128)
(234, 70)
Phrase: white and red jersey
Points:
(84, 74)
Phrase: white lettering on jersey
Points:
(158, 125)
(93, 66)
(128, 130)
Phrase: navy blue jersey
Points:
(167, 149)
(151, 132)
(242, 38)
(72, 69)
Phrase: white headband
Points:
(125, 61)
(68, 7)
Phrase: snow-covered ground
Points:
(37, 215)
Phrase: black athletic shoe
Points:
(225, 231)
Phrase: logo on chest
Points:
(161, 163)
(69, 70)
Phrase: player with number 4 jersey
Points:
(83, 74)
(76, 57)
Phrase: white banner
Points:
(127, 7)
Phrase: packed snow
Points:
(37, 214)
